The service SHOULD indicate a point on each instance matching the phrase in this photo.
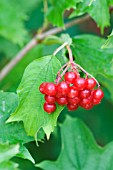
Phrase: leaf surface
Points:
(8, 151)
(13, 133)
(56, 10)
(93, 9)
(89, 54)
(9, 165)
(30, 109)
(12, 16)
(99, 11)
(79, 150)
(109, 42)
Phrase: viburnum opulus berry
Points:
(49, 107)
(70, 77)
(71, 90)
(72, 95)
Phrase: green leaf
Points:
(66, 38)
(30, 109)
(109, 42)
(13, 132)
(99, 11)
(81, 8)
(110, 2)
(11, 82)
(24, 153)
(56, 10)
(52, 39)
(8, 151)
(12, 16)
(108, 84)
(89, 54)
(8, 48)
(8, 165)
(79, 150)
(93, 8)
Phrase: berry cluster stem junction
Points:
(74, 66)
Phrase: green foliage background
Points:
(81, 139)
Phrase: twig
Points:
(34, 42)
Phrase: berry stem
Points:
(70, 53)
(65, 70)
(60, 48)
(62, 68)
(87, 74)
(60, 76)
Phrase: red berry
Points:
(85, 101)
(50, 99)
(72, 92)
(72, 107)
(70, 77)
(42, 87)
(85, 93)
(50, 89)
(62, 100)
(62, 88)
(98, 94)
(90, 83)
(80, 83)
(49, 107)
(74, 100)
(96, 101)
(88, 106)
(58, 94)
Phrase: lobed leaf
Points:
(13, 133)
(89, 54)
(30, 109)
(93, 8)
(79, 150)
(56, 10)
(99, 11)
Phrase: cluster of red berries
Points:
(73, 92)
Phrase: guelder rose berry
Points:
(90, 83)
(42, 88)
(62, 100)
(49, 107)
(85, 93)
(70, 77)
(74, 100)
(50, 99)
(50, 89)
(80, 83)
(73, 92)
(63, 87)
(98, 94)
(72, 107)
